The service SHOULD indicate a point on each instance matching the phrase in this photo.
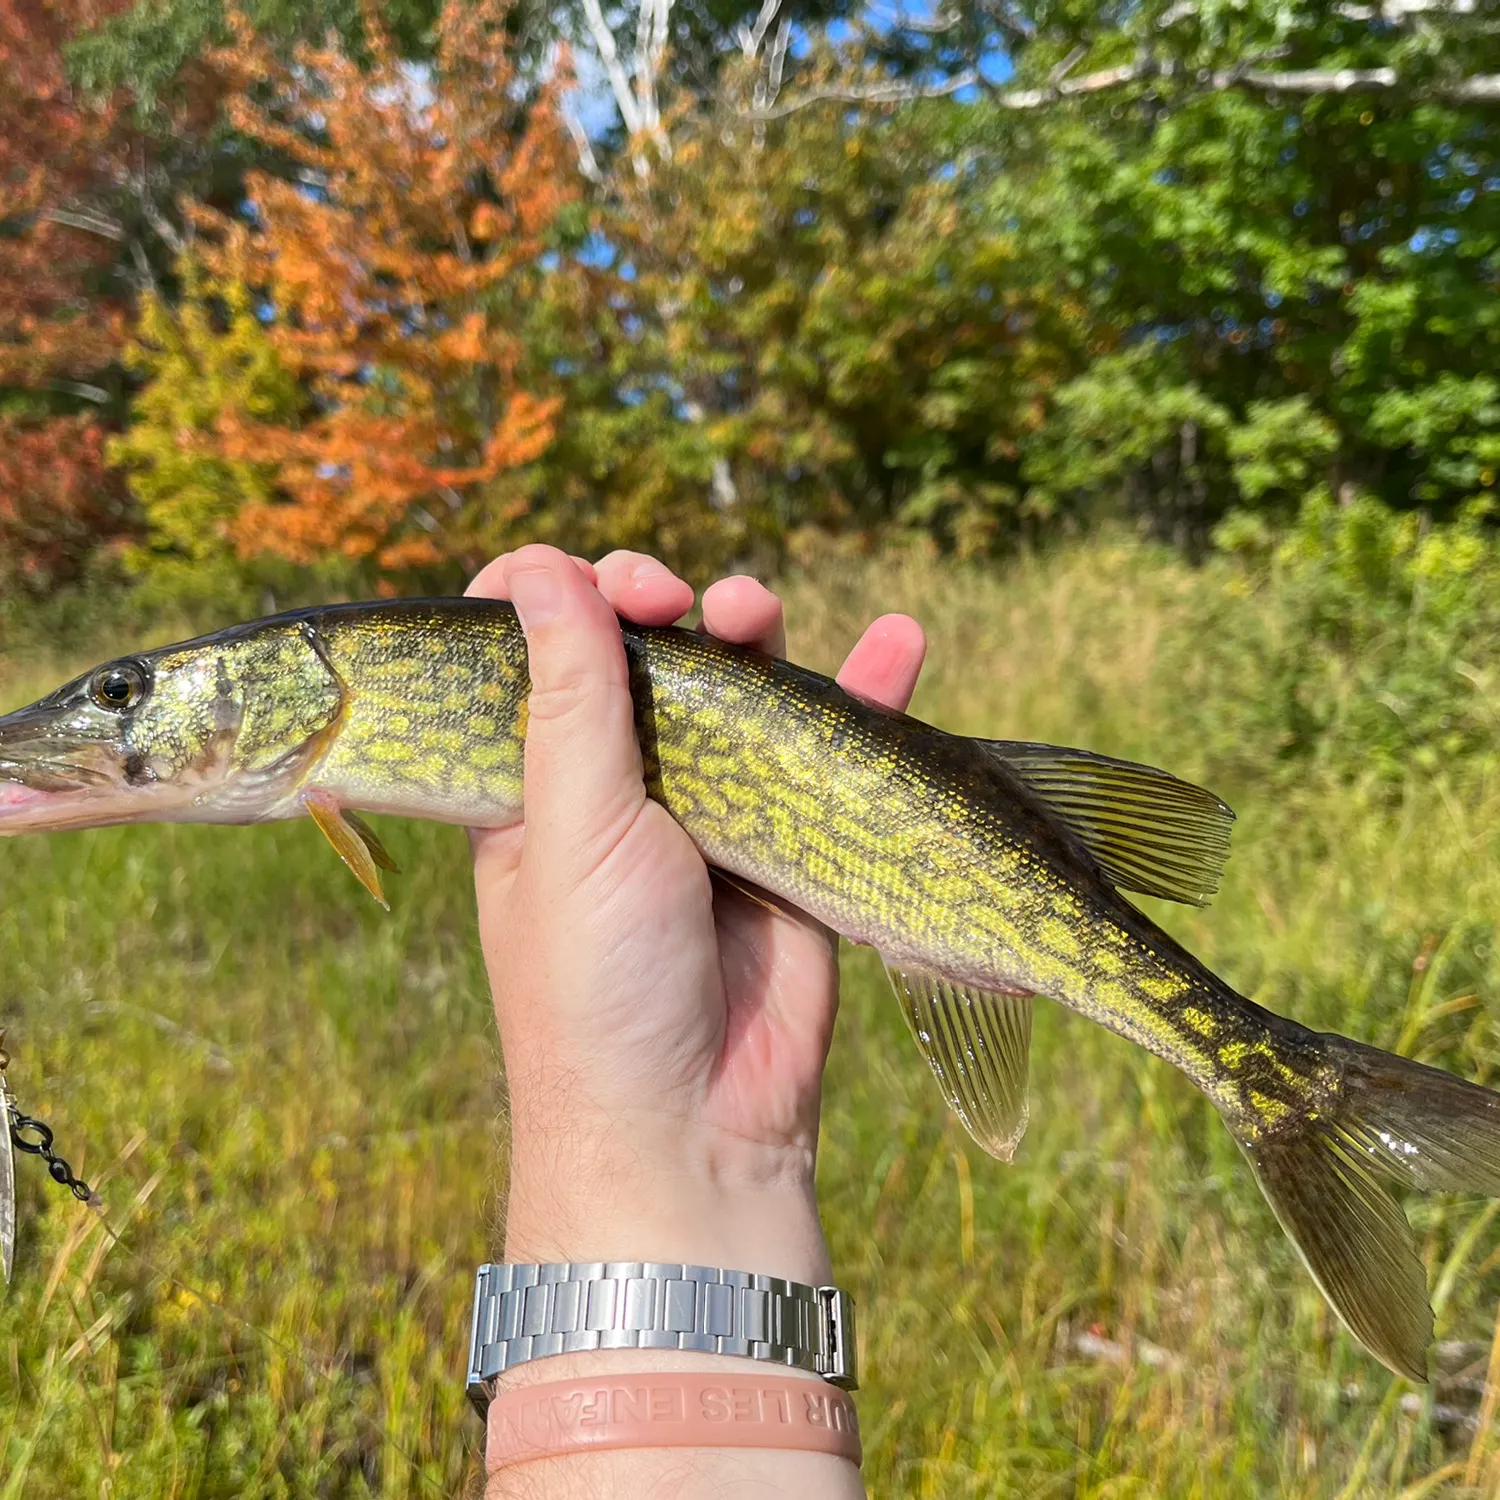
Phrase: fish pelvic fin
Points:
(978, 1045)
(1386, 1120)
(353, 841)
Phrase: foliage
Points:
(56, 502)
(1409, 611)
(1322, 261)
(1136, 278)
(150, 48)
(208, 359)
(789, 327)
(389, 259)
(1130, 425)
(61, 319)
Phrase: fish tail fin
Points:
(1383, 1119)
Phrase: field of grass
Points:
(291, 1104)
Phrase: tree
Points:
(61, 315)
(390, 262)
(56, 510)
(801, 326)
(206, 358)
(60, 320)
(1280, 231)
(1309, 275)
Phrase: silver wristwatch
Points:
(525, 1312)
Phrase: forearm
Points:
(776, 1234)
(664, 1039)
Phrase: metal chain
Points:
(34, 1137)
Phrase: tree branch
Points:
(768, 81)
(934, 25)
(1308, 80)
(588, 163)
(614, 70)
(583, 148)
(1090, 83)
(1395, 12)
(875, 93)
(85, 220)
(1067, 65)
(95, 393)
(1482, 89)
(751, 37)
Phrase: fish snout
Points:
(52, 767)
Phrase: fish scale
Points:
(986, 872)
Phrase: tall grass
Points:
(290, 1104)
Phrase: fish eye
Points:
(118, 687)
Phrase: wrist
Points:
(773, 1230)
(655, 1187)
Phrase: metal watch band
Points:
(526, 1312)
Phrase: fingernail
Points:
(650, 568)
(535, 594)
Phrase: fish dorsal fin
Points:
(978, 1045)
(1149, 831)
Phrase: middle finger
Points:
(746, 612)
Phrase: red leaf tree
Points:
(61, 320)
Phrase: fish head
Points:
(222, 729)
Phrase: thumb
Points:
(583, 764)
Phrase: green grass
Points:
(290, 1103)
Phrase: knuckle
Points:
(577, 692)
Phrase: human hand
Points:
(664, 1034)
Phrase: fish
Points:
(985, 872)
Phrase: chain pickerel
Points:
(985, 872)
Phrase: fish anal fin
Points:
(345, 834)
(978, 1045)
(1149, 831)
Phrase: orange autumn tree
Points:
(390, 256)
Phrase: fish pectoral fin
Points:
(723, 880)
(978, 1045)
(378, 851)
(351, 841)
(1149, 831)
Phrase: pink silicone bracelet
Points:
(670, 1410)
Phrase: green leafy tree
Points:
(205, 359)
(1287, 226)
(791, 327)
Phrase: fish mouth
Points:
(25, 808)
(50, 778)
